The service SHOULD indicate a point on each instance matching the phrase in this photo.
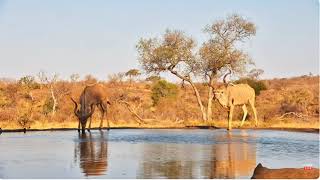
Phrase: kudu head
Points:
(221, 93)
(83, 113)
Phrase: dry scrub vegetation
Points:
(28, 103)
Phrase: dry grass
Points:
(171, 113)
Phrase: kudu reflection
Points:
(219, 160)
(232, 160)
(92, 153)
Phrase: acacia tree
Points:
(175, 53)
(27, 84)
(132, 73)
(221, 53)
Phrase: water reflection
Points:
(92, 153)
(225, 159)
(234, 159)
(166, 161)
(153, 153)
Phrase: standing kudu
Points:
(234, 95)
(91, 96)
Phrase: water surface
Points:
(153, 153)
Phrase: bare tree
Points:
(116, 77)
(55, 92)
(255, 73)
(74, 77)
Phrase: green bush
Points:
(48, 106)
(163, 89)
(255, 84)
(29, 83)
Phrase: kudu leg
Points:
(230, 118)
(79, 126)
(90, 124)
(254, 112)
(102, 109)
(245, 112)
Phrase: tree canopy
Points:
(175, 52)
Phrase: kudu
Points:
(234, 95)
(91, 96)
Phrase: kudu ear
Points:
(76, 112)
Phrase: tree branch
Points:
(132, 111)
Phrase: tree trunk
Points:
(209, 108)
(141, 120)
(55, 103)
(196, 92)
(210, 97)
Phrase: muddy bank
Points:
(307, 130)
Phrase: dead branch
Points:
(132, 111)
(299, 115)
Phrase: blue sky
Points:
(98, 37)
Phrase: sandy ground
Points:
(311, 126)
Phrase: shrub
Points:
(24, 121)
(4, 100)
(255, 84)
(163, 89)
(24, 114)
(7, 115)
(48, 106)
(116, 78)
(296, 100)
(89, 79)
(29, 83)
(153, 79)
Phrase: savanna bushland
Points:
(43, 101)
(26, 103)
